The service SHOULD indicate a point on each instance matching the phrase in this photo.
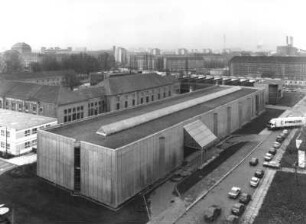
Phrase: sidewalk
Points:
(22, 160)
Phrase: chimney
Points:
(291, 41)
(287, 40)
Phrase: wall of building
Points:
(142, 163)
(55, 159)
(98, 173)
(146, 96)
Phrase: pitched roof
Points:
(116, 85)
(48, 94)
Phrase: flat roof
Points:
(86, 130)
(19, 121)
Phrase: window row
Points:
(8, 146)
(7, 133)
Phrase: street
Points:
(239, 177)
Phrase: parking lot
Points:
(239, 177)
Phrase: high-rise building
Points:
(120, 54)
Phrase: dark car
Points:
(238, 209)
(245, 198)
(231, 219)
(280, 138)
(212, 213)
(259, 173)
(272, 151)
(253, 161)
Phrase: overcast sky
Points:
(166, 24)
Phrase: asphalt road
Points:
(5, 166)
(240, 177)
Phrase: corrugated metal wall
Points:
(98, 174)
(55, 158)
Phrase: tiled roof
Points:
(116, 85)
(267, 59)
(48, 94)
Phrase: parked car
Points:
(234, 193)
(245, 198)
(272, 151)
(253, 161)
(212, 213)
(231, 219)
(276, 145)
(268, 157)
(272, 164)
(254, 182)
(238, 209)
(280, 138)
(285, 132)
(259, 173)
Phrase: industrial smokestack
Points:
(287, 40)
(291, 41)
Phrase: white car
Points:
(268, 157)
(272, 164)
(234, 193)
(276, 145)
(254, 182)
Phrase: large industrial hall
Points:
(113, 157)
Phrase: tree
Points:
(71, 80)
(106, 61)
(35, 67)
(13, 61)
(50, 63)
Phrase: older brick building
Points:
(125, 91)
(52, 101)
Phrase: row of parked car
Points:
(244, 198)
(214, 211)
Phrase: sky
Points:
(165, 24)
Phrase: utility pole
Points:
(5, 141)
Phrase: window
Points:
(2, 132)
(152, 98)
(65, 111)
(8, 134)
(65, 119)
(69, 110)
(141, 100)
(169, 93)
(34, 130)
(2, 144)
(8, 146)
(126, 104)
(118, 106)
(34, 107)
(164, 94)
(158, 96)
(27, 144)
(147, 99)
(27, 133)
(133, 102)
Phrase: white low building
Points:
(18, 131)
